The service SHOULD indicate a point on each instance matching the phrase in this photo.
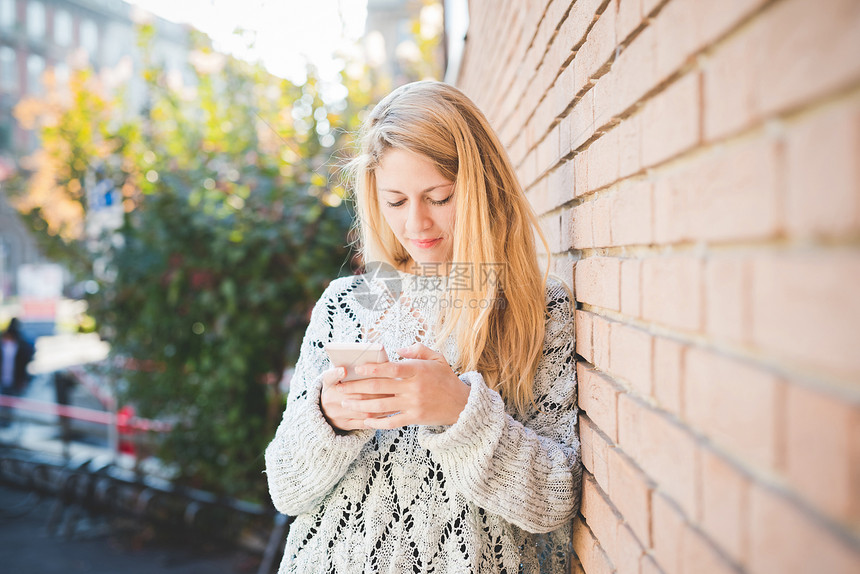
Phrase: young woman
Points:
(460, 455)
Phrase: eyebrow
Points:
(431, 188)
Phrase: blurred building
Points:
(395, 32)
(37, 36)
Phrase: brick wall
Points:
(696, 167)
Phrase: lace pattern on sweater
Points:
(492, 493)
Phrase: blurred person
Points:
(460, 454)
(16, 352)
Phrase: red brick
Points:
(671, 291)
(597, 282)
(578, 21)
(562, 182)
(728, 193)
(665, 451)
(633, 72)
(668, 374)
(699, 555)
(601, 222)
(588, 550)
(727, 300)
(715, 19)
(649, 6)
(630, 491)
(603, 161)
(564, 142)
(631, 287)
(539, 197)
(600, 342)
(729, 87)
(582, 121)
(792, 319)
(551, 227)
(733, 403)
(598, 48)
(598, 396)
(667, 528)
(725, 500)
(670, 121)
(567, 230)
(600, 515)
(823, 182)
(827, 36)
(677, 36)
(630, 358)
(819, 432)
(548, 151)
(583, 335)
(648, 566)
(598, 445)
(562, 268)
(631, 214)
(559, 49)
(605, 100)
(787, 540)
(629, 551)
(629, 146)
(579, 226)
(586, 445)
(628, 18)
(580, 172)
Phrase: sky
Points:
(285, 33)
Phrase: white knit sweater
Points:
(492, 493)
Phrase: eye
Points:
(443, 201)
(398, 204)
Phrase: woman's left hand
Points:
(424, 389)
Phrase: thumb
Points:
(418, 351)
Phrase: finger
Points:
(362, 397)
(374, 406)
(385, 423)
(385, 370)
(332, 376)
(380, 415)
(418, 351)
(352, 424)
(372, 386)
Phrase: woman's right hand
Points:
(332, 398)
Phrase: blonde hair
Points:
(494, 223)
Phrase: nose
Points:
(417, 218)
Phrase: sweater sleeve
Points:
(529, 474)
(306, 458)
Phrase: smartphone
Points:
(351, 355)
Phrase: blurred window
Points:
(90, 37)
(8, 69)
(36, 20)
(35, 67)
(61, 74)
(7, 14)
(63, 28)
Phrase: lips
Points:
(426, 243)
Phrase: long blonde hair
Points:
(502, 338)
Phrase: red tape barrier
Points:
(83, 414)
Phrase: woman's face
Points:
(418, 204)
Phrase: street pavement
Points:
(96, 546)
(26, 547)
